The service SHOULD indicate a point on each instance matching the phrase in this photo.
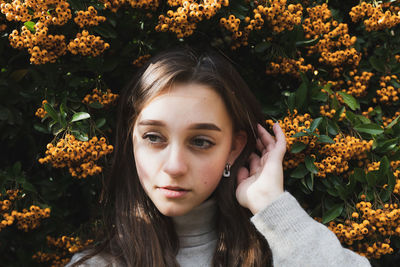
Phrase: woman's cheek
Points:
(144, 165)
(212, 171)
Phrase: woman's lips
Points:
(173, 191)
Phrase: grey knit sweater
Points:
(293, 236)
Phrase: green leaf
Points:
(387, 145)
(30, 25)
(333, 128)
(299, 172)
(332, 192)
(261, 47)
(325, 139)
(384, 166)
(51, 111)
(41, 128)
(28, 186)
(309, 161)
(332, 213)
(391, 181)
(371, 179)
(301, 95)
(393, 122)
(359, 175)
(307, 42)
(320, 96)
(297, 147)
(314, 125)
(16, 168)
(100, 122)
(370, 128)
(299, 134)
(80, 116)
(377, 64)
(352, 183)
(327, 88)
(106, 31)
(17, 75)
(308, 183)
(96, 105)
(349, 100)
(291, 99)
(80, 136)
(63, 116)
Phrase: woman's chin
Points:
(173, 210)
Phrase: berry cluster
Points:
(42, 47)
(88, 17)
(387, 94)
(288, 66)
(64, 246)
(40, 112)
(78, 156)
(27, 219)
(333, 36)
(317, 22)
(86, 44)
(184, 20)
(358, 86)
(50, 12)
(114, 5)
(105, 98)
(326, 111)
(338, 154)
(278, 15)
(370, 224)
(5, 205)
(232, 24)
(140, 61)
(378, 19)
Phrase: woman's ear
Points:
(238, 143)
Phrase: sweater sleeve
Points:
(296, 239)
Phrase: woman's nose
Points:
(175, 164)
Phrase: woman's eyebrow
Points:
(195, 126)
(151, 123)
(205, 126)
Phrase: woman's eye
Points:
(202, 143)
(153, 138)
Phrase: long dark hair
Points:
(136, 233)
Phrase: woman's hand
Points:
(263, 183)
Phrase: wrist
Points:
(261, 201)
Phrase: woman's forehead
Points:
(187, 103)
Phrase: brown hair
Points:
(136, 233)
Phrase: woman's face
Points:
(182, 140)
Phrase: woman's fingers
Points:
(267, 140)
(254, 163)
(280, 145)
(260, 147)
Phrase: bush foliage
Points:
(328, 72)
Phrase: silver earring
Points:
(227, 170)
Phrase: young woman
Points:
(198, 181)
